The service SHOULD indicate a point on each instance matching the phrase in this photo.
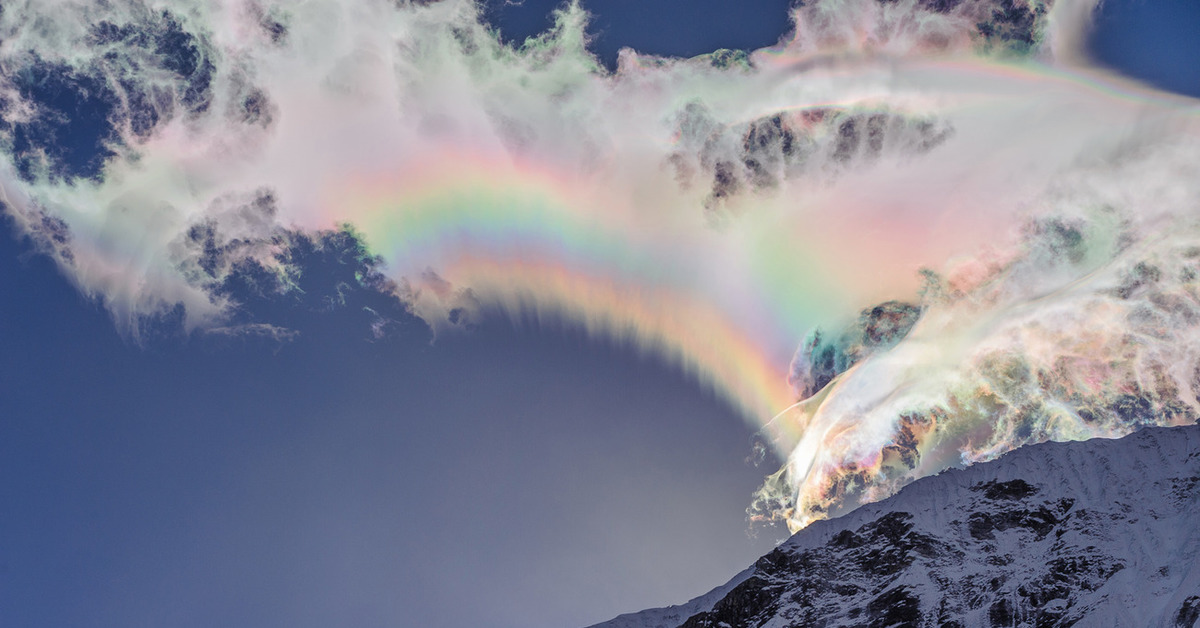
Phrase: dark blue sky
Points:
(517, 476)
(665, 27)
(1157, 41)
(340, 481)
(1153, 40)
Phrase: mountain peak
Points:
(1054, 534)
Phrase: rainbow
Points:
(535, 241)
(689, 332)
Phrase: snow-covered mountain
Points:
(1093, 533)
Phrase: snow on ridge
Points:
(1100, 532)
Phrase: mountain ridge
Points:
(1103, 532)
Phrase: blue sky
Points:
(665, 27)
(522, 475)
(1153, 40)
(238, 483)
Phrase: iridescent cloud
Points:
(716, 210)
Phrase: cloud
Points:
(177, 158)
(1089, 328)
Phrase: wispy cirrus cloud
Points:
(714, 209)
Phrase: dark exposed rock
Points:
(885, 549)
(824, 356)
(1188, 613)
(1002, 613)
(1040, 521)
(751, 598)
(895, 607)
(758, 155)
(1013, 489)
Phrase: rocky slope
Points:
(1094, 533)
